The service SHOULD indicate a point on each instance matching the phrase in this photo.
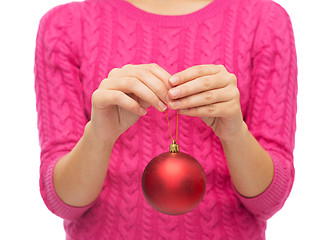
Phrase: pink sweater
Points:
(79, 43)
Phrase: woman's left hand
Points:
(209, 92)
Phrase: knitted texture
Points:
(79, 43)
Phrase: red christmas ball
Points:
(173, 183)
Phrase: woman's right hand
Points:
(124, 96)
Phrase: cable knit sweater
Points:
(79, 43)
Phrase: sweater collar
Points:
(140, 15)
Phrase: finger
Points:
(138, 88)
(205, 98)
(150, 80)
(223, 109)
(211, 110)
(198, 85)
(103, 98)
(144, 104)
(194, 72)
(160, 72)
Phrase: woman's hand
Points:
(124, 96)
(117, 104)
(209, 92)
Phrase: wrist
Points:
(238, 136)
(90, 134)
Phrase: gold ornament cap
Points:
(174, 148)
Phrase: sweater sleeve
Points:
(271, 115)
(59, 100)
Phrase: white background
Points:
(310, 211)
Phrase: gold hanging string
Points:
(169, 127)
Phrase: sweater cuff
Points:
(273, 198)
(54, 203)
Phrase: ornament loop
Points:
(169, 126)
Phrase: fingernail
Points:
(142, 111)
(183, 110)
(162, 106)
(173, 79)
(167, 98)
(175, 104)
(174, 92)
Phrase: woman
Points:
(106, 72)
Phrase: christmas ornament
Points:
(173, 182)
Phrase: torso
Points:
(111, 34)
